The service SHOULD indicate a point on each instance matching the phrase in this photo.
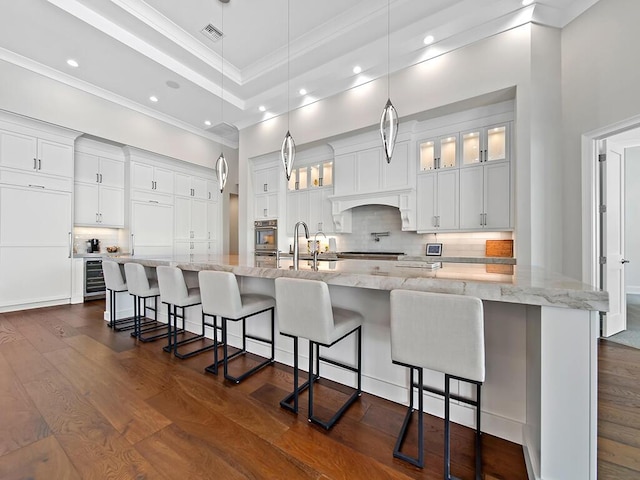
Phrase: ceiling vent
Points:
(226, 131)
(212, 33)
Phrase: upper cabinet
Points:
(487, 144)
(99, 185)
(190, 186)
(267, 180)
(311, 176)
(266, 188)
(438, 153)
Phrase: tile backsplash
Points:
(380, 218)
(108, 237)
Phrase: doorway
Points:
(606, 186)
(233, 224)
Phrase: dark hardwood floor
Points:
(78, 400)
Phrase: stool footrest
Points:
(122, 324)
(419, 461)
(251, 371)
(336, 416)
(338, 364)
(175, 345)
(195, 352)
(286, 401)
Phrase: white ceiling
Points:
(129, 49)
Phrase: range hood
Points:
(403, 199)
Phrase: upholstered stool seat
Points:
(305, 311)
(221, 297)
(443, 333)
(142, 288)
(115, 283)
(177, 296)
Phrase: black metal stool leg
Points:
(447, 433)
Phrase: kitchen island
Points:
(541, 333)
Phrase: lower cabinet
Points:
(35, 246)
(151, 228)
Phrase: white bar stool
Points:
(142, 288)
(305, 311)
(175, 293)
(115, 283)
(444, 333)
(221, 297)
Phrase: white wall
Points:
(33, 95)
(493, 64)
(600, 79)
(632, 219)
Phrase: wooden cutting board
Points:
(499, 248)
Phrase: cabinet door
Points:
(345, 178)
(426, 202)
(151, 226)
(396, 173)
(315, 208)
(368, 163)
(496, 143)
(43, 217)
(497, 195)
(141, 176)
(87, 168)
(111, 206)
(164, 180)
(213, 190)
(182, 248)
(111, 173)
(327, 225)
(267, 180)
(447, 200)
(199, 186)
(471, 198)
(86, 206)
(199, 224)
(182, 184)
(55, 158)
(18, 151)
(183, 218)
(293, 211)
(213, 220)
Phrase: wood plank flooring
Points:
(79, 401)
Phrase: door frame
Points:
(590, 195)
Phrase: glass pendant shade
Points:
(288, 153)
(222, 171)
(389, 129)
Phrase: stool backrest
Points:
(113, 278)
(304, 309)
(220, 294)
(440, 332)
(137, 281)
(173, 289)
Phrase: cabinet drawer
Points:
(36, 180)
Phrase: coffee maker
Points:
(94, 245)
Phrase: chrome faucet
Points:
(316, 249)
(296, 248)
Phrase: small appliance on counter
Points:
(93, 245)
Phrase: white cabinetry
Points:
(438, 196)
(99, 190)
(266, 184)
(486, 144)
(485, 196)
(36, 181)
(151, 228)
(150, 178)
(311, 206)
(190, 186)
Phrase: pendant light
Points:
(222, 168)
(288, 149)
(389, 118)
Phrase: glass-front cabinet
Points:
(485, 144)
(311, 176)
(441, 152)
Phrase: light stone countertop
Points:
(483, 260)
(526, 285)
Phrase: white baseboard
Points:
(31, 306)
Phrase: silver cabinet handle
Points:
(35, 186)
(96, 218)
(132, 246)
(100, 178)
(485, 219)
(624, 260)
(433, 221)
(35, 163)
(97, 178)
(209, 195)
(39, 164)
(438, 220)
(70, 246)
(264, 187)
(265, 212)
(481, 219)
(100, 218)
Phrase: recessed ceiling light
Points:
(72, 63)
(428, 40)
(207, 123)
(527, 2)
(357, 69)
(262, 108)
(153, 98)
(303, 91)
(172, 84)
